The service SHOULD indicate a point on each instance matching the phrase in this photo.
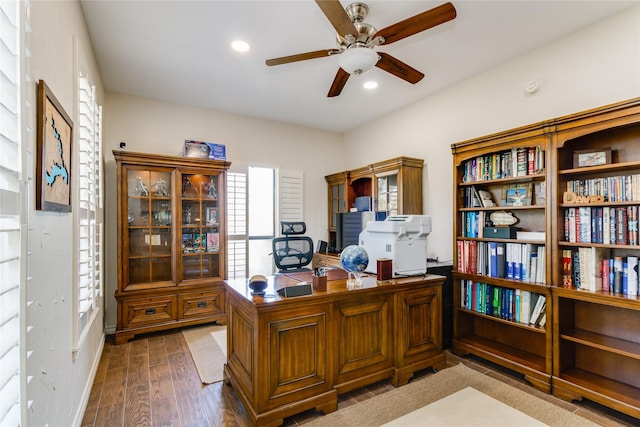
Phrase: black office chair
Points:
(292, 252)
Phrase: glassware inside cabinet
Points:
(388, 194)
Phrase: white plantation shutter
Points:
(290, 195)
(237, 241)
(11, 212)
(89, 211)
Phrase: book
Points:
(577, 274)
(535, 313)
(213, 242)
(606, 283)
(567, 280)
(572, 225)
(537, 236)
(542, 320)
(187, 242)
(539, 193)
(486, 199)
(197, 242)
(595, 267)
(500, 254)
(632, 271)
(525, 307)
(493, 259)
(617, 275)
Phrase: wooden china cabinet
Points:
(171, 242)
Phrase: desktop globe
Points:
(354, 259)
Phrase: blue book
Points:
(625, 277)
(493, 259)
(612, 274)
(500, 253)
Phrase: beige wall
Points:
(159, 127)
(61, 380)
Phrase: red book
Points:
(567, 270)
(605, 276)
(473, 257)
(531, 161)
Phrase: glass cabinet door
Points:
(149, 226)
(388, 194)
(200, 226)
(338, 203)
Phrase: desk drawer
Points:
(149, 311)
(201, 304)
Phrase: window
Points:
(12, 227)
(89, 212)
(237, 225)
(252, 216)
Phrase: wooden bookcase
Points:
(486, 319)
(395, 186)
(590, 344)
(596, 332)
(171, 242)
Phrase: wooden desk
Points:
(287, 355)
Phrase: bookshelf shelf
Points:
(617, 395)
(503, 354)
(509, 322)
(603, 342)
(591, 170)
(504, 181)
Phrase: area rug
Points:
(208, 346)
(419, 394)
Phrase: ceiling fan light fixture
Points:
(358, 60)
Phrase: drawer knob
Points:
(150, 311)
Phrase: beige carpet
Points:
(208, 346)
(419, 394)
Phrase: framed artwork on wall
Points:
(53, 153)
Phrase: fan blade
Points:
(338, 17)
(338, 83)
(301, 57)
(398, 68)
(418, 23)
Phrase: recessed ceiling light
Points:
(240, 46)
(370, 85)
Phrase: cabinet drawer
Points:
(201, 304)
(148, 311)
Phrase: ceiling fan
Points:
(356, 40)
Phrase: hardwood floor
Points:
(152, 381)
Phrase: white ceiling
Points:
(179, 51)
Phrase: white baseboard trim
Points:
(89, 385)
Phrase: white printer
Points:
(402, 238)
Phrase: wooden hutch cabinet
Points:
(395, 186)
(171, 242)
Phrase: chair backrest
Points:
(292, 252)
